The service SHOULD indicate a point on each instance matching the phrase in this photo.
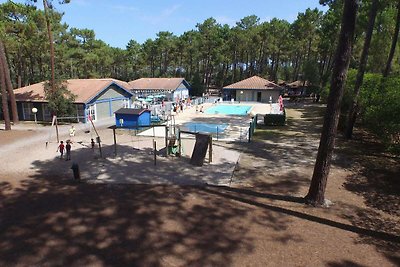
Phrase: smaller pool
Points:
(228, 110)
(204, 127)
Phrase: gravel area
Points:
(257, 219)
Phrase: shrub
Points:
(275, 119)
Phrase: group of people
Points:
(201, 109)
(67, 147)
(61, 147)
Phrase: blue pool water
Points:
(228, 110)
(204, 127)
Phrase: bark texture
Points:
(4, 102)
(10, 89)
(316, 193)
(361, 70)
(50, 34)
(394, 43)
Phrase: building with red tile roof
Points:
(253, 89)
(97, 98)
(172, 88)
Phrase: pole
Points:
(155, 152)
(98, 138)
(115, 142)
(250, 131)
(210, 149)
(166, 141)
(99, 142)
(179, 142)
(58, 139)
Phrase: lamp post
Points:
(34, 111)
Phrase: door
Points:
(258, 96)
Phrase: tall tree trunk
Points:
(4, 102)
(10, 90)
(275, 76)
(361, 70)
(394, 43)
(50, 34)
(316, 193)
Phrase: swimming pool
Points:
(204, 127)
(228, 110)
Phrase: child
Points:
(68, 149)
(61, 149)
(72, 131)
(92, 143)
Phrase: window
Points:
(80, 112)
(92, 112)
(46, 112)
(27, 111)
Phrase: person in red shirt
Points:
(61, 149)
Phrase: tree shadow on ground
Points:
(371, 219)
(296, 144)
(344, 263)
(243, 196)
(53, 220)
(376, 173)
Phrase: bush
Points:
(380, 111)
(61, 101)
(275, 119)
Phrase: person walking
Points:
(92, 143)
(61, 149)
(68, 149)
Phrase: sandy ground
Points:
(47, 219)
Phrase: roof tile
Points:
(156, 83)
(255, 83)
(84, 89)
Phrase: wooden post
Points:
(210, 149)
(155, 152)
(166, 141)
(179, 142)
(115, 142)
(58, 139)
(98, 139)
(250, 131)
(99, 142)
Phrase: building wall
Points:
(145, 118)
(109, 101)
(251, 95)
(112, 92)
(102, 110)
(181, 93)
(25, 114)
(265, 96)
(131, 121)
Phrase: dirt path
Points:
(259, 221)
